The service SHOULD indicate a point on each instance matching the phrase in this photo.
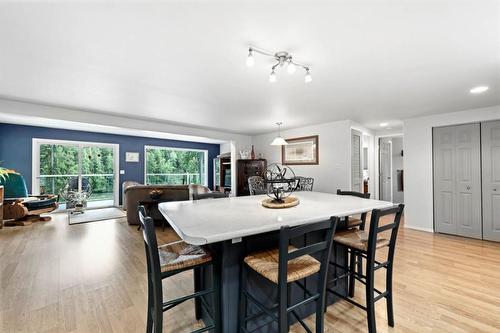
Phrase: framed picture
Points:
(131, 157)
(301, 151)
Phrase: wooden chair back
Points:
(359, 195)
(256, 185)
(155, 290)
(376, 229)
(305, 183)
(323, 246)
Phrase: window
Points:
(59, 163)
(174, 166)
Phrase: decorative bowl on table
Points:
(280, 182)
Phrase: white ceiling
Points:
(184, 61)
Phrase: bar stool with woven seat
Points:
(351, 221)
(285, 265)
(364, 245)
(171, 259)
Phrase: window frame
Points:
(35, 162)
(204, 151)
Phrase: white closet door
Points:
(444, 179)
(457, 180)
(491, 180)
(468, 185)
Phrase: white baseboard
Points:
(419, 228)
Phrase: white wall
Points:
(333, 171)
(418, 161)
(225, 147)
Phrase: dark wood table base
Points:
(231, 255)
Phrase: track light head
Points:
(272, 76)
(250, 58)
(308, 78)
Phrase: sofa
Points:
(134, 193)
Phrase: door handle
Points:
(468, 187)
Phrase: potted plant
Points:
(4, 173)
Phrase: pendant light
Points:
(279, 141)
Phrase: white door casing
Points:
(385, 169)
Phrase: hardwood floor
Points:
(92, 278)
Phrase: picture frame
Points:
(132, 157)
(301, 151)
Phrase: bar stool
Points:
(171, 259)
(286, 265)
(361, 244)
(352, 222)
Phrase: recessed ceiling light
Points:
(479, 89)
(383, 124)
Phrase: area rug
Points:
(94, 215)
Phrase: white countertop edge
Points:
(251, 232)
(190, 240)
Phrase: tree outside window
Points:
(175, 166)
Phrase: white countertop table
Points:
(215, 220)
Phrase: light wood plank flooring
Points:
(92, 278)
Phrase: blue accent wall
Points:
(16, 149)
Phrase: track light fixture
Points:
(283, 58)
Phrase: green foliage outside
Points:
(177, 167)
(61, 161)
(59, 164)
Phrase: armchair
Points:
(21, 208)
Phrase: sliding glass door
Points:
(58, 164)
(98, 169)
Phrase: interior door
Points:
(457, 180)
(356, 167)
(491, 179)
(385, 169)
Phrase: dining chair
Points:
(256, 185)
(364, 245)
(283, 266)
(168, 260)
(351, 221)
(305, 183)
